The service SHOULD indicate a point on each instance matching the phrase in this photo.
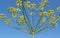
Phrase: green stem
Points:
(25, 16)
(32, 35)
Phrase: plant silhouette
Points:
(28, 19)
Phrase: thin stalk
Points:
(24, 30)
(32, 35)
(24, 13)
(38, 22)
(43, 29)
(32, 21)
(42, 24)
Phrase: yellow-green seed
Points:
(14, 10)
(58, 18)
(52, 18)
(43, 20)
(41, 8)
(43, 14)
(8, 21)
(28, 6)
(33, 6)
(21, 21)
(32, 13)
(53, 23)
(19, 3)
(45, 3)
(2, 15)
(14, 15)
(51, 13)
(58, 9)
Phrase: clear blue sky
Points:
(8, 32)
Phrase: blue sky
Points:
(8, 32)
